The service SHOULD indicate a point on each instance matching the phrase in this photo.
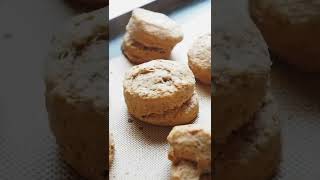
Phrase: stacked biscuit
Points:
(161, 92)
(76, 98)
(150, 36)
(190, 151)
(246, 128)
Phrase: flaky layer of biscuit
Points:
(180, 115)
(138, 53)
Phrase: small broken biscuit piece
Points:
(157, 86)
(185, 170)
(199, 58)
(154, 29)
(192, 143)
(241, 70)
(138, 53)
(180, 115)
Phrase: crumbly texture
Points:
(138, 53)
(199, 58)
(111, 150)
(241, 70)
(154, 29)
(180, 115)
(191, 143)
(185, 170)
(157, 86)
(291, 29)
(253, 152)
(76, 98)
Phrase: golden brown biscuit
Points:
(241, 69)
(180, 115)
(291, 29)
(76, 98)
(191, 143)
(254, 151)
(154, 29)
(157, 86)
(199, 58)
(138, 53)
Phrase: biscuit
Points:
(199, 58)
(180, 115)
(76, 98)
(157, 86)
(191, 143)
(254, 151)
(111, 150)
(291, 30)
(185, 170)
(154, 29)
(138, 53)
(241, 71)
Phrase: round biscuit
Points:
(157, 86)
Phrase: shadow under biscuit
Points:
(152, 134)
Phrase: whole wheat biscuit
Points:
(180, 115)
(191, 143)
(241, 70)
(138, 53)
(154, 29)
(291, 29)
(199, 58)
(76, 98)
(157, 86)
(254, 151)
(111, 150)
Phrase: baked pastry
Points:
(76, 98)
(199, 58)
(240, 78)
(254, 151)
(150, 36)
(291, 29)
(154, 29)
(156, 87)
(138, 53)
(191, 143)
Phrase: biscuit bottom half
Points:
(253, 152)
(181, 115)
(138, 53)
(81, 135)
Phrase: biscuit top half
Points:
(158, 24)
(239, 53)
(158, 79)
(77, 64)
(293, 11)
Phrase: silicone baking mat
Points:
(141, 150)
